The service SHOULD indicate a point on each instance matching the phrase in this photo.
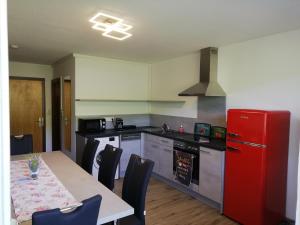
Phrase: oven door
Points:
(186, 168)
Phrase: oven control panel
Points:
(184, 146)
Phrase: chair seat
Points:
(130, 220)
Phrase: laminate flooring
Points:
(167, 206)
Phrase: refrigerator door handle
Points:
(232, 148)
(233, 135)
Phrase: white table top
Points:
(82, 186)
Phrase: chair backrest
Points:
(109, 160)
(135, 184)
(89, 155)
(21, 144)
(86, 214)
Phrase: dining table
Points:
(82, 185)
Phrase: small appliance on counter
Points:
(218, 132)
(117, 123)
(202, 132)
(202, 129)
(91, 125)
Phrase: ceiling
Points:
(47, 30)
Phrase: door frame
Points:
(43, 102)
(57, 81)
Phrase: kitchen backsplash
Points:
(136, 119)
(210, 110)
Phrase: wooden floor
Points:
(167, 206)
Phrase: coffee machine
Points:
(117, 123)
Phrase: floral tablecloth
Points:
(29, 195)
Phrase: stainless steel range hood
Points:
(208, 84)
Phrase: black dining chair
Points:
(109, 160)
(136, 180)
(87, 214)
(21, 144)
(89, 152)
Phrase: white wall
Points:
(298, 196)
(265, 74)
(5, 200)
(104, 78)
(168, 79)
(39, 71)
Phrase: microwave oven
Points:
(91, 125)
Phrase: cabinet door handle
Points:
(164, 141)
(167, 150)
(206, 152)
(232, 148)
(233, 135)
(154, 146)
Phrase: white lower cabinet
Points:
(129, 147)
(211, 168)
(151, 151)
(159, 150)
(166, 162)
(211, 165)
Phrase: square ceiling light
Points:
(112, 27)
(117, 34)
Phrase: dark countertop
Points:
(113, 132)
(216, 144)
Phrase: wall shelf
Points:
(128, 100)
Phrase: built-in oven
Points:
(186, 164)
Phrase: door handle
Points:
(232, 148)
(206, 152)
(66, 121)
(40, 121)
(233, 135)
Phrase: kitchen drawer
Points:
(166, 142)
(159, 140)
(150, 138)
(159, 150)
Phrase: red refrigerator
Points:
(256, 166)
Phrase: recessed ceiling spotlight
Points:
(14, 46)
(112, 27)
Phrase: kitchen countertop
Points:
(216, 144)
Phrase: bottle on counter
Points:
(181, 129)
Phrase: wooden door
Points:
(67, 115)
(27, 109)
